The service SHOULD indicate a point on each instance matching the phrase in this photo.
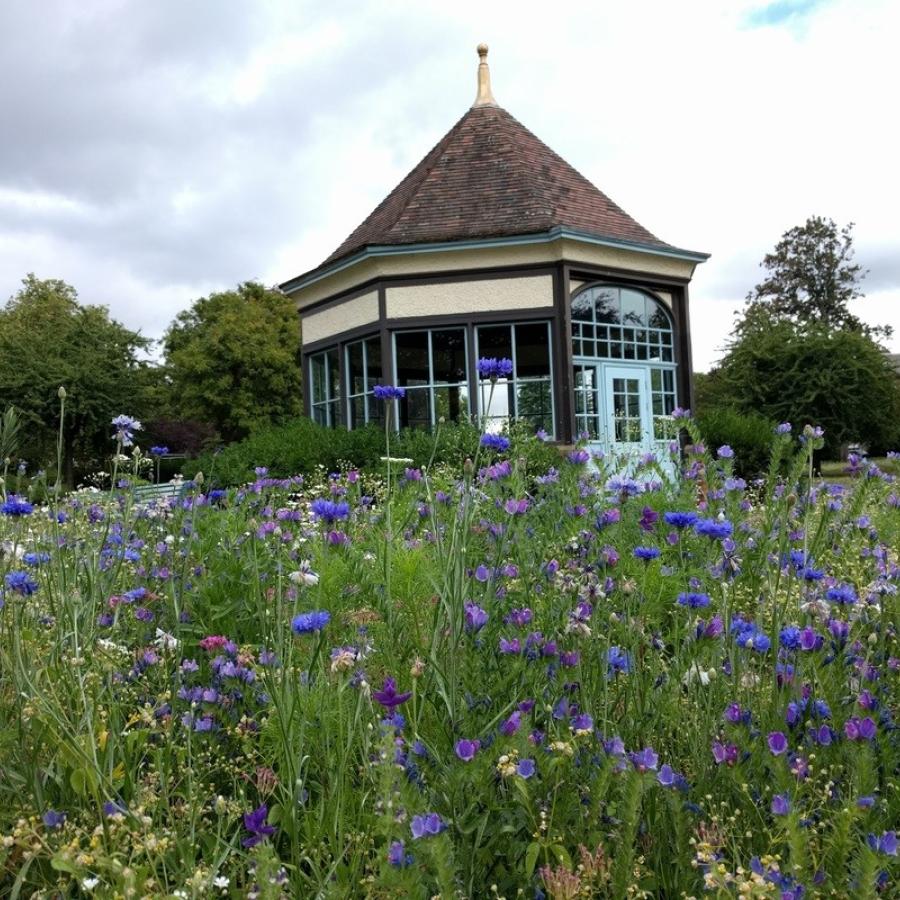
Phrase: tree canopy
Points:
(234, 360)
(48, 340)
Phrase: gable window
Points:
(431, 366)
(325, 388)
(528, 393)
(363, 373)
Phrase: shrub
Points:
(748, 434)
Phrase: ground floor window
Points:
(363, 373)
(325, 388)
(528, 393)
(431, 366)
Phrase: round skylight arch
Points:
(623, 323)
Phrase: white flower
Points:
(221, 881)
(165, 641)
(90, 883)
(304, 575)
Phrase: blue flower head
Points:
(494, 368)
(311, 622)
(16, 506)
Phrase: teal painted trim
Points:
(545, 237)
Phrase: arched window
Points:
(610, 322)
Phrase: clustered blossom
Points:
(125, 428)
(493, 369)
(388, 392)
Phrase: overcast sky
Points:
(151, 152)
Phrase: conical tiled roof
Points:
(489, 176)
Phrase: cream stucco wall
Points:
(424, 263)
(351, 314)
(486, 295)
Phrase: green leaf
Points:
(531, 855)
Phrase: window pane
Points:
(415, 408)
(449, 352)
(583, 306)
(412, 358)
(373, 362)
(355, 368)
(533, 350)
(497, 400)
(533, 402)
(658, 317)
(317, 364)
(357, 412)
(633, 308)
(319, 415)
(495, 342)
(451, 403)
(334, 375)
(606, 304)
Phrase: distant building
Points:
(494, 246)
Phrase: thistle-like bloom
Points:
(329, 511)
(693, 600)
(311, 622)
(426, 825)
(681, 519)
(647, 553)
(255, 824)
(496, 442)
(713, 528)
(495, 368)
(21, 583)
(388, 392)
(16, 506)
(159, 451)
(842, 594)
(125, 428)
(579, 457)
(388, 696)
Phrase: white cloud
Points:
(184, 152)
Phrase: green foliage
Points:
(811, 279)
(747, 433)
(300, 447)
(234, 360)
(48, 340)
(840, 380)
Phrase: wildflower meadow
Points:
(598, 680)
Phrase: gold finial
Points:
(484, 97)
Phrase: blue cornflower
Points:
(617, 660)
(159, 451)
(21, 583)
(35, 559)
(495, 442)
(329, 511)
(841, 593)
(125, 428)
(713, 528)
(308, 623)
(693, 600)
(495, 368)
(53, 819)
(16, 506)
(680, 519)
(647, 553)
(388, 392)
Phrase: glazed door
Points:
(628, 421)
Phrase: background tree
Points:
(798, 354)
(811, 279)
(48, 339)
(234, 360)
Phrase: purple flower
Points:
(781, 805)
(494, 368)
(476, 617)
(617, 660)
(125, 428)
(644, 760)
(388, 392)
(681, 519)
(159, 451)
(724, 753)
(329, 511)
(860, 729)
(21, 583)
(426, 825)
(255, 825)
(16, 506)
(311, 622)
(647, 553)
(692, 600)
(841, 593)
(510, 646)
(525, 768)
(397, 855)
(582, 723)
(725, 452)
(388, 696)
(53, 819)
(648, 519)
(783, 428)
(466, 749)
(496, 442)
(512, 724)
(578, 457)
(777, 742)
(713, 528)
(666, 776)
(886, 844)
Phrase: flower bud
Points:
(61, 393)
(418, 667)
(198, 478)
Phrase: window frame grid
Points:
(367, 392)
(331, 401)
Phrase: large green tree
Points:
(234, 360)
(811, 279)
(49, 340)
